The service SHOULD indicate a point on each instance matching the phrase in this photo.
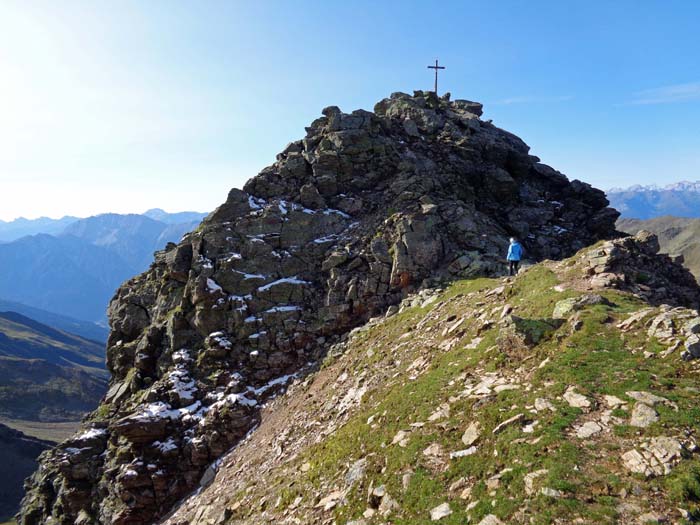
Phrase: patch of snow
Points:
(73, 450)
(275, 382)
(252, 319)
(329, 238)
(240, 297)
(253, 204)
(256, 336)
(165, 446)
(213, 286)
(286, 308)
(182, 355)
(247, 276)
(182, 384)
(222, 341)
(329, 211)
(162, 410)
(92, 433)
(206, 263)
(289, 280)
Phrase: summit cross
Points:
(436, 67)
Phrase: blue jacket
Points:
(515, 251)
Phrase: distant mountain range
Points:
(74, 270)
(677, 236)
(681, 199)
(12, 230)
(9, 231)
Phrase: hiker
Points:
(515, 253)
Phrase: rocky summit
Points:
(367, 209)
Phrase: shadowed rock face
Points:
(366, 208)
(18, 453)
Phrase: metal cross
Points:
(436, 67)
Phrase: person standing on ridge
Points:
(515, 253)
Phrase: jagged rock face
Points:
(366, 208)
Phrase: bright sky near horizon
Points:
(127, 105)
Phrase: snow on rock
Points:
(288, 280)
(254, 203)
(247, 276)
(165, 446)
(213, 286)
(336, 212)
(182, 384)
(206, 263)
(91, 434)
(182, 356)
(328, 238)
(275, 382)
(162, 410)
(221, 340)
(284, 308)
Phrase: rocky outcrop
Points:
(634, 264)
(365, 209)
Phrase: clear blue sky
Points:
(120, 105)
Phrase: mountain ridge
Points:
(646, 202)
(75, 272)
(486, 401)
(348, 221)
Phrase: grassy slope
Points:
(411, 367)
(48, 431)
(678, 236)
(47, 374)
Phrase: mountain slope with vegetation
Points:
(46, 374)
(85, 329)
(565, 395)
(677, 236)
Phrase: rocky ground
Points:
(565, 395)
(363, 211)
